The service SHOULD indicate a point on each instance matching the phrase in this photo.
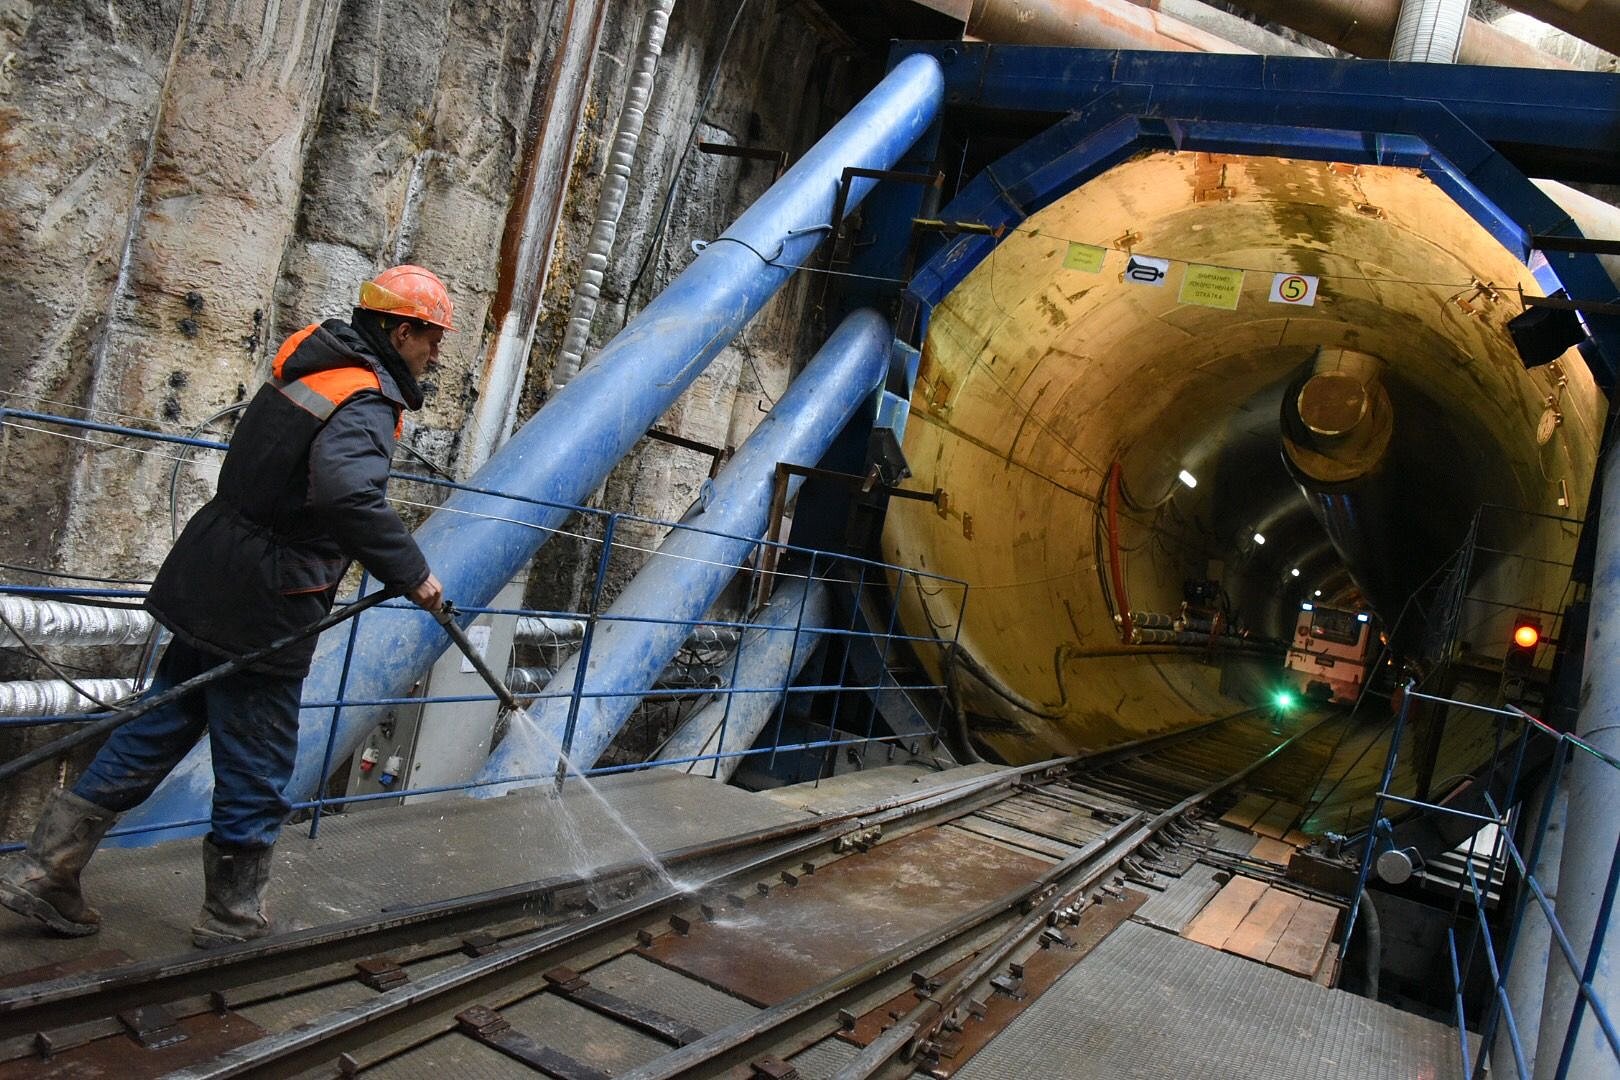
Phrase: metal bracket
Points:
(772, 1068)
(718, 455)
(152, 1026)
(381, 973)
(778, 158)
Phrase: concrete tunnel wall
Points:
(1035, 378)
(268, 156)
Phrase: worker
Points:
(301, 493)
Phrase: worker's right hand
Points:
(429, 596)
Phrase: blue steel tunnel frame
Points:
(1478, 133)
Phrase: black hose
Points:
(87, 732)
(1373, 943)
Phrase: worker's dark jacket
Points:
(301, 493)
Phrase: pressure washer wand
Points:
(447, 619)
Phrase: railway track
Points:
(894, 938)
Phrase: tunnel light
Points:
(1294, 572)
(1307, 606)
(1362, 616)
(1317, 593)
(1187, 478)
(1259, 538)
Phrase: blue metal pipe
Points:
(683, 578)
(476, 543)
(766, 657)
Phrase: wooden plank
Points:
(1302, 945)
(1257, 935)
(1213, 925)
(1272, 851)
(1278, 821)
(1327, 973)
(1248, 809)
(1297, 838)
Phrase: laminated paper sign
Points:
(1086, 257)
(1146, 270)
(1211, 286)
(1296, 289)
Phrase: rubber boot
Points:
(43, 883)
(233, 904)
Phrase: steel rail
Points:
(925, 1018)
(740, 1036)
(451, 990)
(30, 1008)
(426, 1003)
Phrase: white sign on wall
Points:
(1296, 289)
(1146, 270)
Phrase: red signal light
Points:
(1526, 633)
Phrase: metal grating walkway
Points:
(1152, 1006)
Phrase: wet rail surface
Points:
(902, 936)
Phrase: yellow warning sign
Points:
(1211, 286)
(1085, 257)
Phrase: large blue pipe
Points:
(773, 653)
(477, 543)
(691, 567)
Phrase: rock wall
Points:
(184, 182)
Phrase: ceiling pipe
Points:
(1367, 28)
(1596, 21)
(1096, 24)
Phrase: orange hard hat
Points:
(409, 291)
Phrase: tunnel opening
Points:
(1050, 362)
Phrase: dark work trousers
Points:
(252, 723)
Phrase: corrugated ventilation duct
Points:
(51, 622)
(1429, 31)
(53, 697)
(615, 187)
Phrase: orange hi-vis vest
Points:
(324, 392)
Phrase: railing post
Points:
(591, 618)
(337, 709)
(1377, 816)
(1524, 973)
(787, 676)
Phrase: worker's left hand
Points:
(429, 596)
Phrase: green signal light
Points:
(1284, 699)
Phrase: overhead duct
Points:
(52, 622)
(1097, 24)
(1597, 21)
(1367, 28)
(1429, 31)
